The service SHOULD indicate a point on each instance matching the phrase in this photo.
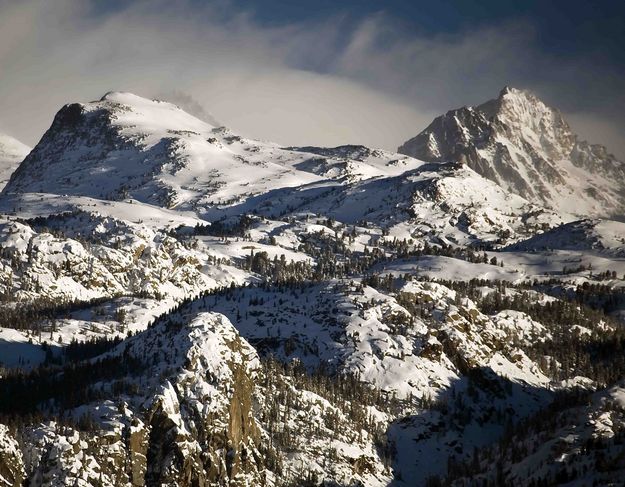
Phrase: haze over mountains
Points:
(180, 305)
(12, 152)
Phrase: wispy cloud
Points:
(374, 82)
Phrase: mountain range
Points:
(181, 305)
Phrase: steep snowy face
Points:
(12, 152)
(527, 148)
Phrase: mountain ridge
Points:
(126, 147)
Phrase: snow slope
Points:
(605, 236)
(440, 202)
(127, 146)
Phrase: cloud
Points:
(222, 64)
(189, 105)
(441, 72)
(372, 81)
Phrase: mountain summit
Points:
(527, 148)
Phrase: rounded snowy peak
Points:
(123, 97)
(147, 113)
(132, 100)
(118, 145)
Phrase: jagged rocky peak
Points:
(518, 112)
(528, 148)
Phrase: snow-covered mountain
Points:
(126, 147)
(527, 148)
(581, 446)
(197, 407)
(12, 152)
(180, 305)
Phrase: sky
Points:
(315, 72)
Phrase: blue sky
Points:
(315, 72)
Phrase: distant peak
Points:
(10, 145)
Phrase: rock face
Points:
(11, 461)
(527, 148)
(191, 423)
(197, 408)
(202, 430)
